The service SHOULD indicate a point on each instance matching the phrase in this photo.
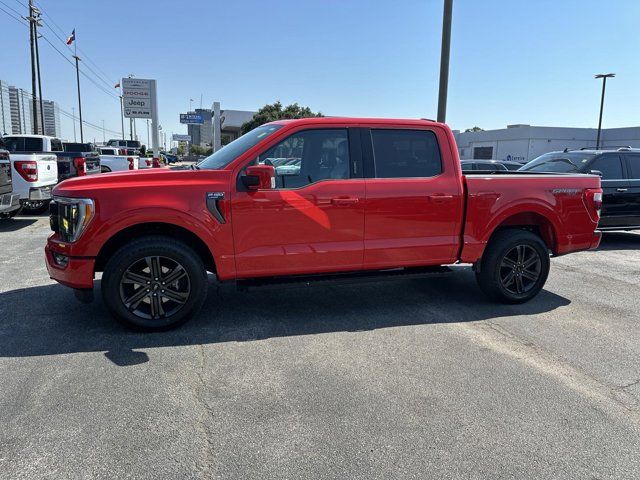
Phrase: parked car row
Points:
(36, 163)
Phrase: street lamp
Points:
(604, 77)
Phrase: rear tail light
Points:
(81, 165)
(130, 160)
(148, 161)
(28, 169)
(593, 200)
(156, 162)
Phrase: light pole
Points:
(604, 77)
(444, 60)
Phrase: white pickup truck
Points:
(111, 161)
(33, 174)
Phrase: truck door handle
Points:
(439, 198)
(621, 190)
(344, 201)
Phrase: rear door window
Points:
(405, 153)
(634, 166)
(56, 145)
(610, 166)
(14, 144)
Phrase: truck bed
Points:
(554, 202)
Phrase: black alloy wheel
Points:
(155, 287)
(520, 269)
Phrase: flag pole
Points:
(75, 51)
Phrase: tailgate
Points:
(92, 161)
(47, 169)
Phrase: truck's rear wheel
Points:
(514, 267)
(154, 283)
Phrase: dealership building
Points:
(522, 143)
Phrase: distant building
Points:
(20, 102)
(522, 143)
(5, 109)
(52, 125)
(231, 122)
(16, 112)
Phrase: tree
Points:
(474, 129)
(269, 113)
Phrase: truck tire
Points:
(154, 283)
(514, 267)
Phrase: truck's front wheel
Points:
(154, 283)
(514, 267)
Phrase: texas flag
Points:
(72, 37)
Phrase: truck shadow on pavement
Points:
(620, 241)
(47, 320)
(14, 224)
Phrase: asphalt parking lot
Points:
(408, 379)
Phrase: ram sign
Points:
(138, 97)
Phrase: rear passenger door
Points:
(414, 198)
(614, 188)
(633, 188)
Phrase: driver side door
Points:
(313, 220)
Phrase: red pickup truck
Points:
(313, 200)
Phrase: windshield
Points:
(227, 154)
(561, 162)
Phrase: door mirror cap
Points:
(596, 172)
(259, 177)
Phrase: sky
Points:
(512, 61)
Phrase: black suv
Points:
(620, 172)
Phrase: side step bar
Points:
(341, 278)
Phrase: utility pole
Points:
(34, 20)
(122, 115)
(604, 77)
(444, 60)
(148, 140)
(34, 97)
(79, 101)
(39, 79)
(73, 117)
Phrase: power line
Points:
(17, 19)
(86, 57)
(100, 87)
(12, 9)
(107, 82)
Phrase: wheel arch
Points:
(532, 221)
(124, 236)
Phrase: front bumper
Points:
(9, 202)
(74, 272)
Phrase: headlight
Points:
(70, 216)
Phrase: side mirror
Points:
(259, 177)
(596, 172)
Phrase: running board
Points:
(341, 278)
